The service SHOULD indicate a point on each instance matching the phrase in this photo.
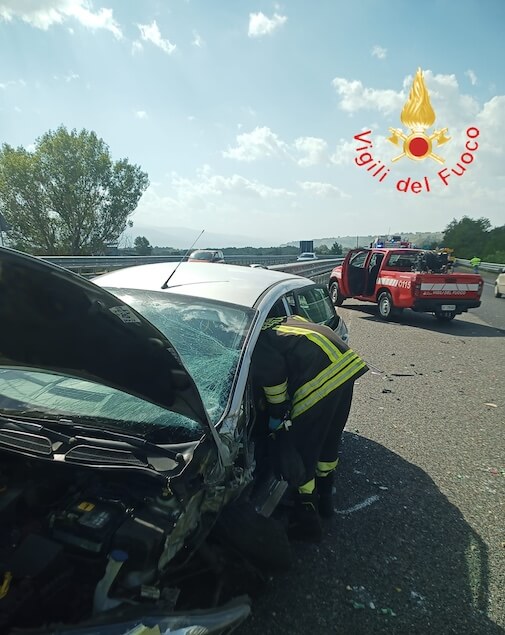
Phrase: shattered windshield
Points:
(208, 335)
(51, 395)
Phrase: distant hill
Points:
(350, 242)
(183, 237)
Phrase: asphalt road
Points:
(418, 542)
(492, 310)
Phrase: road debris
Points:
(388, 611)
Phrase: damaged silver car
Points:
(135, 490)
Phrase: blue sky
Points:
(243, 113)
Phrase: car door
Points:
(354, 273)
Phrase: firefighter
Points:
(475, 263)
(307, 374)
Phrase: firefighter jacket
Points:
(299, 363)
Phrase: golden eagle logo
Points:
(418, 115)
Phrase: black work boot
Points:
(305, 523)
(324, 488)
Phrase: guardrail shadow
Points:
(398, 558)
(427, 322)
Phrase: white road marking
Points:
(356, 508)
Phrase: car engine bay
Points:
(75, 542)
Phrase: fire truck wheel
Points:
(336, 296)
(385, 302)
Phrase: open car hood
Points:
(53, 319)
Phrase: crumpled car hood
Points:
(53, 319)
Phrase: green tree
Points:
(468, 236)
(336, 249)
(495, 244)
(322, 250)
(142, 246)
(67, 196)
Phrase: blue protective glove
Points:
(274, 424)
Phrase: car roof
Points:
(228, 283)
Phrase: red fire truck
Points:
(397, 279)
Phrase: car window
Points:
(314, 304)
(290, 299)
(278, 309)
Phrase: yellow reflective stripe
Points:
(328, 347)
(326, 389)
(331, 385)
(277, 389)
(298, 317)
(271, 322)
(324, 468)
(277, 394)
(323, 376)
(276, 399)
(307, 488)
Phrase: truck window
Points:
(358, 260)
(401, 261)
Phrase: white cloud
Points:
(323, 190)
(262, 143)
(137, 47)
(445, 95)
(260, 24)
(314, 149)
(71, 77)
(11, 83)
(151, 33)
(43, 14)
(471, 76)
(259, 143)
(344, 152)
(197, 41)
(208, 184)
(212, 200)
(354, 96)
(141, 114)
(379, 52)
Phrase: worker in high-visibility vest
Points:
(475, 262)
(307, 374)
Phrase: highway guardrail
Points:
(95, 265)
(485, 266)
(317, 270)
(101, 264)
